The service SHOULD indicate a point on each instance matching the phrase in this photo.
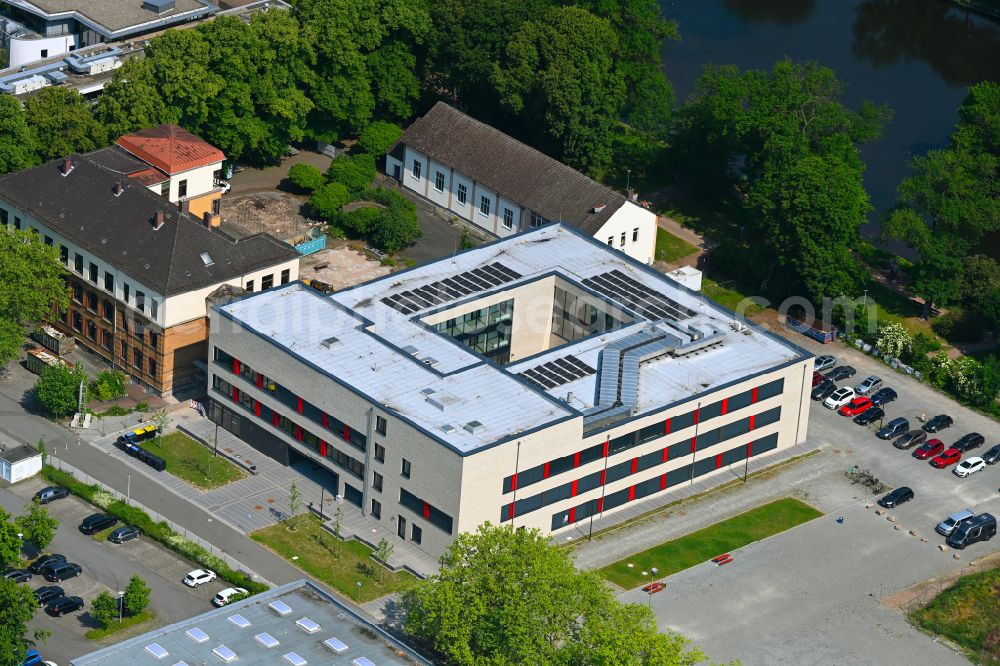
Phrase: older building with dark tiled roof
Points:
(140, 267)
(504, 186)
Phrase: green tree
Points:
(396, 229)
(109, 385)
(18, 144)
(17, 608)
(355, 172)
(104, 608)
(362, 220)
(306, 177)
(294, 502)
(506, 596)
(10, 543)
(393, 79)
(63, 123)
(382, 553)
(131, 100)
(137, 594)
(37, 526)
(58, 388)
(558, 75)
(379, 137)
(31, 287)
(327, 200)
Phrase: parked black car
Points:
(64, 605)
(870, 415)
(47, 593)
(823, 390)
(981, 528)
(910, 439)
(97, 522)
(896, 497)
(883, 396)
(123, 534)
(62, 571)
(973, 440)
(938, 423)
(992, 456)
(840, 372)
(51, 494)
(17, 575)
(44, 561)
(893, 428)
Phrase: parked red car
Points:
(856, 406)
(949, 457)
(817, 377)
(931, 447)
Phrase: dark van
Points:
(893, 428)
(97, 522)
(981, 528)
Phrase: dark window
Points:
(679, 475)
(17, 222)
(679, 450)
(137, 359)
(416, 534)
(635, 234)
(588, 482)
(353, 495)
(765, 418)
(154, 308)
(91, 330)
(48, 241)
(250, 286)
(377, 481)
(557, 494)
(77, 292)
(376, 511)
(124, 351)
(140, 301)
(405, 471)
(736, 429)
(125, 291)
(154, 339)
(381, 425)
(63, 254)
(770, 389)
(708, 438)
(152, 367)
(619, 471)
(439, 181)
(92, 301)
(109, 282)
(124, 325)
(107, 340)
(560, 465)
(704, 466)
(765, 444)
(108, 310)
(44, 53)
(416, 169)
(182, 189)
(651, 432)
(78, 263)
(710, 411)
(267, 282)
(619, 444)
(739, 401)
(595, 452)
(77, 322)
(216, 206)
(285, 276)
(165, 189)
(4, 217)
(681, 421)
(93, 272)
(380, 453)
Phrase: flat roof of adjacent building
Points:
(18, 453)
(294, 624)
(113, 17)
(369, 341)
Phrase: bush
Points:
(379, 137)
(327, 200)
(109, 385)
(104, 608)
(356, 173)
(362, 220)
(58, 388)
(306, 177)
(959, 326)
(396, 229)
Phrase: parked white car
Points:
(225, 186)
(839, 398)
(199, 577)
(869, 384)
(226, 595)
(969, 466)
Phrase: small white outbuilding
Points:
(18, 461)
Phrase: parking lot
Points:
(106, 566)
(814, 594)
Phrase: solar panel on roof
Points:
(266, 639)
(225, 654)
(362, 661)
(197, 635)
(558, 371)
(310, 626)
(335, 644)
(280, 607)
(156, 650)
(294, 659)
(243, 623)
(636, 296)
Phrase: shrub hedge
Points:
(136, 517)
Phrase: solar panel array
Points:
(450, 288)
(637, 296)
(558, 372)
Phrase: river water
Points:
(919, 56)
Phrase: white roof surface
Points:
(369, 356)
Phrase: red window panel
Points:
(347, 434)
(513, 482)
(666, 453)
(751, 422)
(298, 433)
(697, 412)
(572, 515)
(512, 510)
(545, 471)
(753, 395)
(725, 405)
(635, 465)
(256, 408)
(693, 449)
(576, 459)
(666, 427)
(606, 444)
(275, 419)
(631, 493)
(573, 489)
(427, 511)
(298, 405)
(326, 420)
(663, 482)
(260, 381)
(749, 449)
(322, 448)
(236, 366)
(600, 505)
(718, 460)
(603, 472)
(236, 394)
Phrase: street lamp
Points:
(121, 603)
(359, 591)
(628, 181)
(652, 575)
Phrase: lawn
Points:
(727, 294)
(116, 626)
(670, 248)
(965, 613)
(192, 461)
(339, 564)
(703, 545)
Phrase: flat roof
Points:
(114, 16)
(18, 453)
(382, 348)
(293, 624)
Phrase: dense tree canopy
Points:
(18, 143)
(58, 388)
(63, 123)
(17, 607)
(506, 596)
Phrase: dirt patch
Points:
(924, 591)
(341, 266)
(281, 214)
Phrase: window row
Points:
(621, 241)
(662, 482)
(641, 436)
(289, 427)
(434, 516)
(267, 281)
(290, 399)
(137, 361)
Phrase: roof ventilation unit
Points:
(448, 429)
(158, 6)
(411, 350)
(67, 166)
(429, 360)
(280, 607)
(442, 400)
(475, 427)
(331, 342)
(598, 208)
